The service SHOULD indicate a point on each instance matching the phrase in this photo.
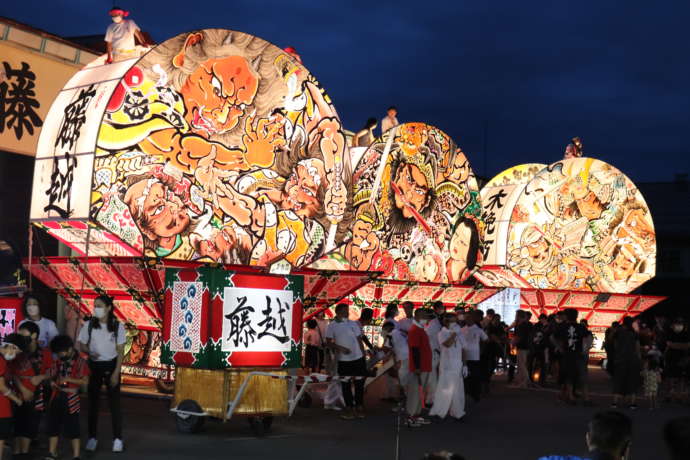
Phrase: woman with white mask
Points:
(103, 339)
(46, 327)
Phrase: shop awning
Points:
(136, 283)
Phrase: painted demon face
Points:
(218, 94)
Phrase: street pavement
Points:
(509, 423)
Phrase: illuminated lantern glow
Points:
(581, 224)
(417, 213)
(215, 146)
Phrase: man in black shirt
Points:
(521, 340)
(537, 359)
(569, 340)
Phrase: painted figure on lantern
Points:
(251, 138)
(581, 224)
(411, 193)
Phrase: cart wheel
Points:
(305, 401)
(165, 386)
(267, 422)
(260, 426)
(187, 423)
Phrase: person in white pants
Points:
(450, 390)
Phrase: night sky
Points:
(530, 75)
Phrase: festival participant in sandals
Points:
(30, 370)
(69, 372)
(103, 339)
(12, 345)
(46, 326)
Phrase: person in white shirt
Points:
(46, 327)
(472, 336)
(103, 339)
(432, 330)
(390, 120)
(406, 323)
(345, 337)
(120, 35)
(450, 390)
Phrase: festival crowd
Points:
(42, 372)
(439, 358)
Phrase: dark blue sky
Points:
(536, 73)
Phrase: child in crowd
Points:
(313, 343)
(30, 370)
(651, 377)
(68, 373)
(11, 346)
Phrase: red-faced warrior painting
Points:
(417, 211)
(219, 146)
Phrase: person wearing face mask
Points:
(450, 390)
(120, 35)
(103, 339)
(31, 371)
(32, 312)
(68, 372)
(420, 361)
(677, 350)
(11, 346)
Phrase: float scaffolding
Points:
(232, 334)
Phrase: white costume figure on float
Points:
(449, 397)
(120, 36)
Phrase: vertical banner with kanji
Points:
(216, 318)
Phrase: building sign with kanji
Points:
(29, 83)
(256, 319)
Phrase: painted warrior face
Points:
(301, 190)
(414, 189)
(538, 252)
(590, 206)
(623, 266)
(218, 93)
(162, 214)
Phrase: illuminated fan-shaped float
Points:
(577, 233)
(214, 147)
